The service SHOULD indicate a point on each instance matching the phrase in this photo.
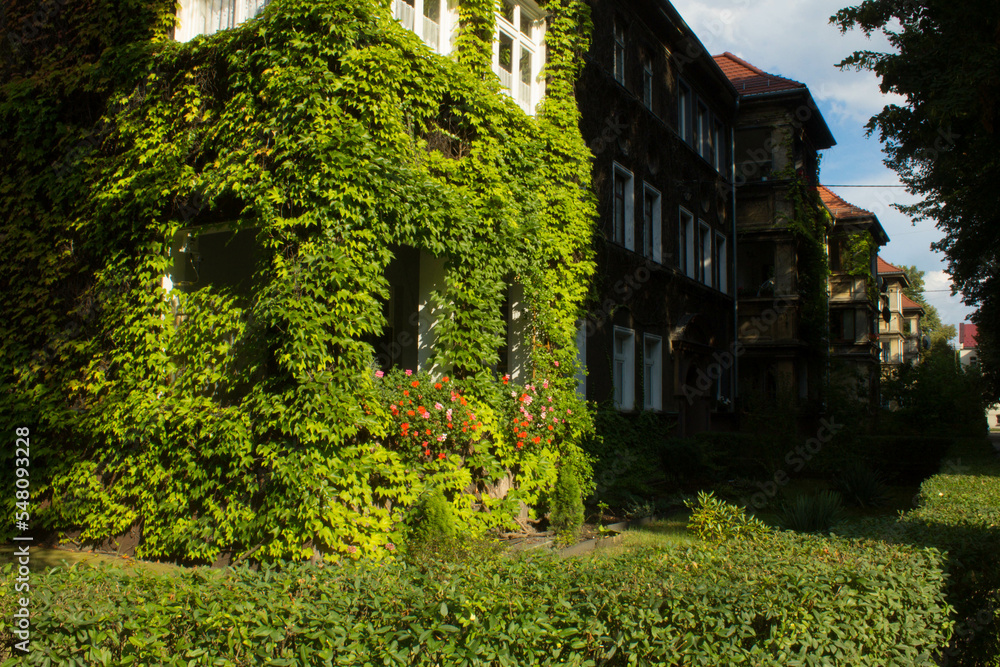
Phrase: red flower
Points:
(522, 434)
(421, 409)
(415, 383)
(427, 452)
(464, 429)
(537, 439)
(520, 444)
(441, 455)
(406, 392)
(463, 401)
(550, 427)
(410, 413)
(428, 431)
(437, 385)
(444, 379)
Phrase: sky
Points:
(794, 39)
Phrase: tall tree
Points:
(943, 140)
(930, 323)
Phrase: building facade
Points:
(781, 237)
(854, 240)
(657, 113)
(899, 325)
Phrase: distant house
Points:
(853, 243)
(657, 113)
(899, 326)
(968, 356)
(781, 265)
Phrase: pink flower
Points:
(568, 411)
(352, 549)
(550, 399)
(557, 364)
(379, 374)
(438, 406)
(409, 372)
(545, 384)
(448, 413)
(441, 438)
(426, 415)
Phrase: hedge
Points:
(782, 599)
(958, 513)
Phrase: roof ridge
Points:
(756, 70)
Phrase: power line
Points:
(863, 186)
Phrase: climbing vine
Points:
(859, 250)
(251, 422)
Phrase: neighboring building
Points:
(853, 245)
(779, 133)
(899, 326)
(657, 113)
(968, 355)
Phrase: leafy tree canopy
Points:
(943, 139)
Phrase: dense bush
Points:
(714, 519)
(782, 600)
(958, 512)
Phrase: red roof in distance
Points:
(967, 334)
(751, 80)
(885, 267)
(840, 209)
(910, 304)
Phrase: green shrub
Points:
(862, 486)
(958, 513)
(782, 600)
(627, 453)
(435, 521)
(566, 515)
(816, 513)
(714, 519)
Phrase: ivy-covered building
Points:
(264, 263)
(657, 113)
(855, 301)
(782, 228)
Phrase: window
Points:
(624, 368)
(685, 243)
(754, 154)
(624, 217)
(720, 273)
(619, 52)
(647, 83)
(886, 353)
(684, 111)
(651, 244)
(518, 53)
(205, 17)
(846, 331)
(652, 372)
(428, 19)
(705, 265)
(703, 140)
(718, 146)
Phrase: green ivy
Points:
(251, 423)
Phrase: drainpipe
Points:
(734, 280)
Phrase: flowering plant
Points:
(535, 416)
(429, 417)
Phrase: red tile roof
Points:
(885, 267)
(840, 209)
(967, 335)
(910, 304)
(751, 80)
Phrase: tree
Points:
(930, 323)
(943, 140)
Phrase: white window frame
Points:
(623, 370)
(439, 35)
(206, 17)
(684, 111)
(528, 93)
(721, 263)
(652, 372)
(686, 242)
(647, 83)
(619, 52)
(705, 254)
(704, 138)
(624, 176)
(652, 244)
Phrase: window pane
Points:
(508, 12)
(506, 53)
(432, 10)
(524, 66)
(619, 209)
(525, 23)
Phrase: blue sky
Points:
(794, 39)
